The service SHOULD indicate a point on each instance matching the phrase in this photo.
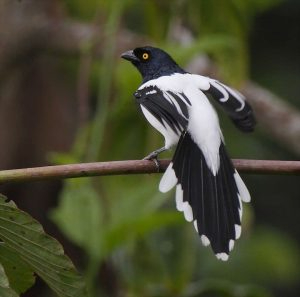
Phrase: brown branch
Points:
(134, 167)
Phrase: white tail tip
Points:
(244, 193)
(169, 179)
(222, 256)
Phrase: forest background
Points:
(66, 97)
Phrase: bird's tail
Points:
(212, 202)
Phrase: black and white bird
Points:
(209, 191)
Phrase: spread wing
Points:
(209, 191)
(166, 111)
(233, 103)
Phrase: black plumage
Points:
(243, 118)
(209, 190)
(214, 199)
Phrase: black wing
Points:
(234, 105)
(166, 106)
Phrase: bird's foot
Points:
(154, 157)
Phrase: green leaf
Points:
(211, 43)
(4, 283)
(268, 256)
(139, 226)
(5, 290)
(42, 253)
(20, 276)
(79, 216)
(212, 287)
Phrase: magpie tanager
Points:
(209, 190)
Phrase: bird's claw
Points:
(156, 162)
(153, 157)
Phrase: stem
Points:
(134, 167)
(105, 81)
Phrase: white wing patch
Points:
(238, 96)
(203, 126)
(174, 102)
(151, 92)
(203, 121)
(221, 89)
(178, 82)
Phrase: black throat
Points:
(162, 71)
(149, 72)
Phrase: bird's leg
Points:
(153, 156)
(155, 153)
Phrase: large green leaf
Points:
(79, 216)
(5, 289)
(20, 275)
(139, 226)
(42, 253)
(82, 217)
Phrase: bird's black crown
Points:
(152, 62)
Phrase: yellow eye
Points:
(145, 56)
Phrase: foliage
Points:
(26, 249)
(124, 221)
(5, 289)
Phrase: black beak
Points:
(130, 56)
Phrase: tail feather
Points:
(212, 202)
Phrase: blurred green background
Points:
(66, 96)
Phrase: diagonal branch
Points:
(134, 167)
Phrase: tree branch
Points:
(134, 167)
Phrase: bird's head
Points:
(152, 62)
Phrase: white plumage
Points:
(203, 121)
(209, 191)
(203, 126)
